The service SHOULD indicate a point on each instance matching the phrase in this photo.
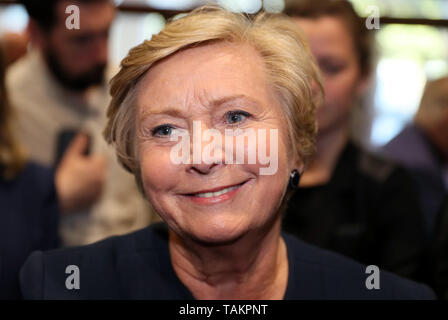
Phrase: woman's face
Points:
(217, 86)
(333, 47)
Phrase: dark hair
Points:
(11, 158)
(44, 11)
(342, 9)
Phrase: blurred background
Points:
(412, 47)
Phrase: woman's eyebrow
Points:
(179, 113)
(175, 113)
(241, 97)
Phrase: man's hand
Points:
(79, 178)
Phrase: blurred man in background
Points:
(423, 147)
(59, 90)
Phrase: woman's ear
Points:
(301, 168)
(297, 164)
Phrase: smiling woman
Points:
(221, 238)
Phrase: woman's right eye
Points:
(163, 131)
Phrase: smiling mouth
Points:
(208, 194)
(215, 194)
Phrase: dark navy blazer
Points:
(28, 222)
(138, 266)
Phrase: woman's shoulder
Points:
(376, 167)
(371, 171)
(99, 266)
(316, 273)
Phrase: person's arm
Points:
(79, 178)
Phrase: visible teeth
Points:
(215, 194)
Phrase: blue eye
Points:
(162, 131)
(233, 117)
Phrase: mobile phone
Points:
(65, 137)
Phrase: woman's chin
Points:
(220, 234)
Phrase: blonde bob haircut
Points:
(288, 61)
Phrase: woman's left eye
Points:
(233, 117)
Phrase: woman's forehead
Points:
(203, 75)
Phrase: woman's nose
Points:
(206, 149)
(204, 168)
